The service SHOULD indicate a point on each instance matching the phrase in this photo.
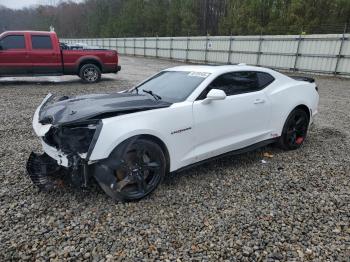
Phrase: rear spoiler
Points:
(303, 78)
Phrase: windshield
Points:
(172, 86)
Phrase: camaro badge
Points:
(181, 130)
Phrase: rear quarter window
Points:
(41, 42)
(264, 79)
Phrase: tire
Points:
(90, 73)
(133, 170)
(294, 130)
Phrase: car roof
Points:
(218, 69)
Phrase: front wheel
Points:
(294, 130)
(133, 170)
(90, 73)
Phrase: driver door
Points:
(238, 121)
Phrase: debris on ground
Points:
(268, 155)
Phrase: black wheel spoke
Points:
(141, 183)
(151, 166)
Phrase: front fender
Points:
(111, 136)
(159, 123)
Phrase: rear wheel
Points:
(90, 73)
(135, 173)
(294, 130)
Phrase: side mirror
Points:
(214, 94)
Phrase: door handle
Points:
(259, 101)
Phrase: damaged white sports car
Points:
(129, 141)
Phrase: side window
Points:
(13, 42)
(41, 42)
(243, 82)
(239, 83)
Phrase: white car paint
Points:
(193, 130)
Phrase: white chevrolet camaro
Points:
(128, 141)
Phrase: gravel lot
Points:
(294, 207)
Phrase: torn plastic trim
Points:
(47, 175)
(59, 156)
(41, 169)
(94, 139)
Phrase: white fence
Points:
(327, 54)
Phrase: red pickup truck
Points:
(40, 53)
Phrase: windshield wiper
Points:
(156, 97)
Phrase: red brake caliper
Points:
(299, 140)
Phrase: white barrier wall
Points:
(328, 54)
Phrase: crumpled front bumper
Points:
(46, 174)
(42, 171)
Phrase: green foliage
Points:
(133, 18)
(284, 16)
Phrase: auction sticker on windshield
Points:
(199, 74)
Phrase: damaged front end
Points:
(69, 129)
(67, 148)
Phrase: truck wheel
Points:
(90, 73)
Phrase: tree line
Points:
(133, 18)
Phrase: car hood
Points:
(95, 106)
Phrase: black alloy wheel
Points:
(132, 171)
(295, 130)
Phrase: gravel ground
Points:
(295, 207)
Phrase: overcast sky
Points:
(17, 4)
